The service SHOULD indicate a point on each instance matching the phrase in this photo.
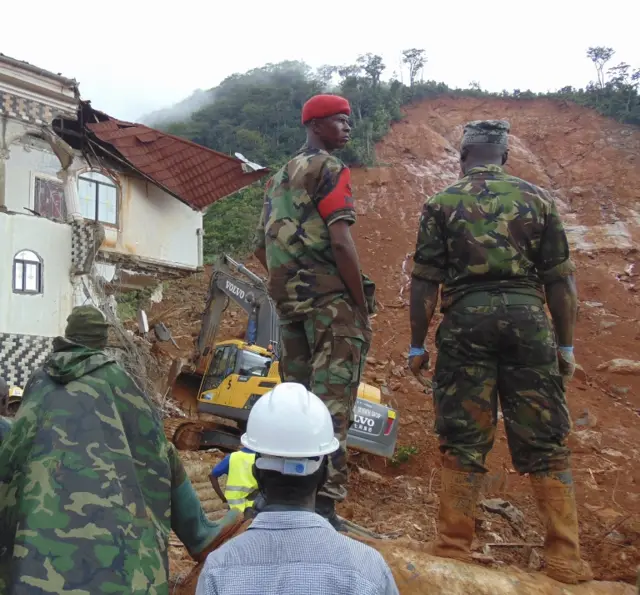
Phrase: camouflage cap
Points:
(480, 132)
(87, 326)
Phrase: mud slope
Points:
(593, 167)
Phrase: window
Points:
(98, 197)
(27, 272)
(221, 366)
(253, 364)
(48, 198)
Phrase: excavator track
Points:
(198, 435)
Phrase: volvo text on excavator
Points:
(230, 376)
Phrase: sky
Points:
(132, 57)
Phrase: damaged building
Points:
(86, 200)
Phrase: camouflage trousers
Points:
(326, 353)
(492, 351)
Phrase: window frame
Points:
(49, 177)
(39, 273)
(113, 184)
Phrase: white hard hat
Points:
(290, 422)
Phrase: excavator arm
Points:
(250, 294)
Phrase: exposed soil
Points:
(592, 165)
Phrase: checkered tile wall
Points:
(26, 110)
(20, 355)
(86, 238)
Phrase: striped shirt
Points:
(294, 553)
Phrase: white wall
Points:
(154, 225)
(43, 314)
(23, 163)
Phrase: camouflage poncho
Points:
(5, 427)
(85, 483)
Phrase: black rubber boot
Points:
(326, 507)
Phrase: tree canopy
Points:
(258, 114)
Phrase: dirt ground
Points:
(592, 166)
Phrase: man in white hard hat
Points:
(290, 549)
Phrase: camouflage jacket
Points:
(307, 195)
(491, 231)
(5, 426)
(85, 483)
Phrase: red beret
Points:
(323, 106)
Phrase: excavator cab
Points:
(238, 375)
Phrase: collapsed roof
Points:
(195, 175)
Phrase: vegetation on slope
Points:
(257, 114)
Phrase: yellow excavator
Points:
(230, 376)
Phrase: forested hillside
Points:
(258, 114)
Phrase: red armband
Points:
(339, 198)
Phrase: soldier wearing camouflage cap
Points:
(322, 298)
(497, 246)
(89, 486)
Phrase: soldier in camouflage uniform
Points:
(497, 245)
(89, 486)
(5, 423)
(322, 298)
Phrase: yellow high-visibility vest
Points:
(240, 481)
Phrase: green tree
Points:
(373, 66)
(415, 59)
(600, 55)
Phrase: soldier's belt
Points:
(498, 298)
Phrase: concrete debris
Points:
(370, 475)
(398, 372)
(620, 390)
(506, 510)
(157, 295)
(163, 333)
(535, 561)
(588, 439)
(621, 366)
(587, 420)
(616, 537)
(615, 453)
(593, 304)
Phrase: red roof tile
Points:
(197, 175)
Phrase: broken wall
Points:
(155, 227)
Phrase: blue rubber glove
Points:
(566, 362)
(419, 362)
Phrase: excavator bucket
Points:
(183, 386)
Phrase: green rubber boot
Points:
(190, 523)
